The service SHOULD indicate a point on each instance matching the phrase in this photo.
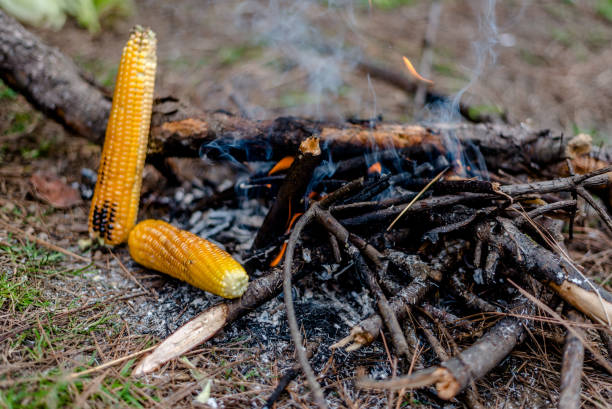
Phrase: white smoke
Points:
(290, 28)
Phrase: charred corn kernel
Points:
(160, 246)
(115, 202)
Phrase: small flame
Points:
(414, 73)
(282, 164)
(280, 255)
(292, 222)
(375, 168)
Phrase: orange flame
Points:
(375, 168)
(292, 222)
(282, 164)
(414, 73)
(313, 196)
(280, 255)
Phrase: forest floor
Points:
(546, 63)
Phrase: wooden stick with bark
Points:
(455, 374)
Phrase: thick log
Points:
(51, 81)
(53, 84)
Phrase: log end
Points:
(447, 385)
(310, 146)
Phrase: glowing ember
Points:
(414, 73)
(282, 164)
(375, 168)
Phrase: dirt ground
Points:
(548, 63)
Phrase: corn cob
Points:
(160, 246)
(115, 202)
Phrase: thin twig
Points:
(598, 208)
(75, 375)
(598, 357)
(41, 242)
(427, 186)
(315, 388)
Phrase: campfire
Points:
(455, 231)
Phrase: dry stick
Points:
(427, 186)
(558, 272)
(290, 193)
(42, 242)
(471, 395)
(453, 375)
(433, 21)
(470, 298)
(397, 336)
(571, 370)
(542, 210)
(315, 388)
(600, 210)
(369, 329)
(447, 317)
(570, 328)
(347, 240)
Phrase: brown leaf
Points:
(49, 188)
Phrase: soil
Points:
(548, 63)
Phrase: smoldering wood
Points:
(594, 179)
(289, 197)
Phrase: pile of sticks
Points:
(468, 211)
(496, 246)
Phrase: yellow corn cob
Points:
(160, 246)
(115, 202)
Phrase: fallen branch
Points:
(557, 271)
(571, 370)
(455, 374)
